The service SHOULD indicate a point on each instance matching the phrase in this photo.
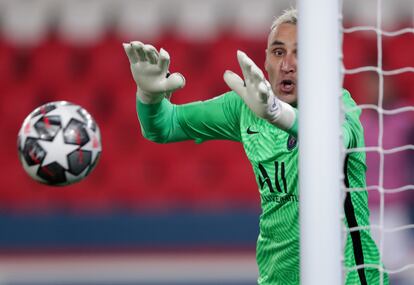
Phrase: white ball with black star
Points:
(59, 143)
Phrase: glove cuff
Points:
(147, 98)
(284, 116)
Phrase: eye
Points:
(278, 51)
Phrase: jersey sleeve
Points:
(217, 118)
(352, 129)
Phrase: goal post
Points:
(320, 166)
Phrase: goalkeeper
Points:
(262, 115)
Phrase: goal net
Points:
(376, 66)
(385, 39)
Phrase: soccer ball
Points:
(59, 143)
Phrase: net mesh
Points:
(400, 269)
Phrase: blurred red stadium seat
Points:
(396, 57)
(134, 173)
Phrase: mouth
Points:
(287, 86)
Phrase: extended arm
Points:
(256, 92)
(217, 118)
(161, 121)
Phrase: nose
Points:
(289, 63)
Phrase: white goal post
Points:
(319, 72)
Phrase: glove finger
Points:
(263, 92)
(252, 72)
(132, 56)
(245, 67)
(164, 60)
(151, 54)
(139, 49)
(235, 83)
(248, 61)
(257, 75)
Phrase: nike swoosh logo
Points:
(250, 132)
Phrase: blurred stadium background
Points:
(182, 213)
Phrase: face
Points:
(281, 62)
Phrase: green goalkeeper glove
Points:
(150, 71)
(257, 93)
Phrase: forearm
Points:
(159, 122)
(217, 118)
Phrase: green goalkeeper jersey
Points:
(273, 154)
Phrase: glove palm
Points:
(257, 94)
(150, 71)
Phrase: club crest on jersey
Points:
(291, 142)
